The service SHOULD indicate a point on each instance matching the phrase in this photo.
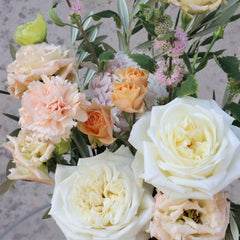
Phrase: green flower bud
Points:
(218, 34)
(32, 32)
(62, 147)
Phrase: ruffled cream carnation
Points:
(101, 199)
(190, 219)
(49, 109)
(34, 60)
(29, 154)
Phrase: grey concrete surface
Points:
(27, 197)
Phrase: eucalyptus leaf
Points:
(74, 34)
(122, 42)
(136, 6)
(81, 145)
(46, 214)
(108, 14)
(5, 186)
(187, 63)
(13, 117)
(124, 14)
(4, 92)
(147, 44)
(88, 76)
(234, 227)
(13, 51)
(54, 17)
(234, 108)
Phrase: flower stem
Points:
(87, 41)
(68, 3)
(169, 70)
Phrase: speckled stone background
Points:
(28, 197)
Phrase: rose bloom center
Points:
(100, 196)
(192, 139)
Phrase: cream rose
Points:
(187, 148)
(100, 199)
(29, 155)
(34, 60)
(197, 6)
(190, 219)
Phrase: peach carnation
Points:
(190, 219)
(49, 109)
(34, 60)
(29, 154)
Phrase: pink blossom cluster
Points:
(76, 8)
(177, 49)
(170, 77)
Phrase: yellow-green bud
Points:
(32, 32)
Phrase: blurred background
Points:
(29, 197)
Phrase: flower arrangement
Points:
(129, 148)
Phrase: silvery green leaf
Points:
(122, 42)
(87, 21)
(13, 51)
(124, 15)
(234, 227)
(54, 17)
(136, 6)
(89, 74)
(91, 37)
(74, 33)
(144, 45)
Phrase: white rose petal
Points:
(189, 147)
(101, 199)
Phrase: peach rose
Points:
(190, 219)
(99, 126)
(49, 109)
(29, 154)
(34, 60)
(134, 75)
(128, 96)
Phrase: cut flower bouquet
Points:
(129, 148)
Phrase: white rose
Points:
(187, 148)
(100, 199)
(197, 6)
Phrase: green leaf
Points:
(13, 51)
(122, 42)
(4, 92)
(80, 143)
(5, 186)
(137, 27)
(187, 63)
(108, 14)
(15, 132)
(46, 214)
(74, 34)
(234, 108)
(105, 57)
(147, 44)
(123, 13)
(235, 209)
(97, 49)
(230, 65)
(234, 227)
(144, 61)
(136, 6)
(88, 76)
(13, 117)
(166, 36)
(188, 87)
(53, 15)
